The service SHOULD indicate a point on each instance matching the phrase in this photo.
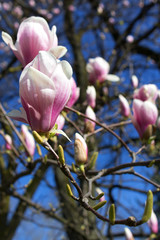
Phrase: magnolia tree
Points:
(79, 120)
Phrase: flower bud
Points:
(60, 121)
(8, 140)
(29, 139)
(153, 223)
(128, 234)
(80, 149)
(91, 96)
(99, 191)
(90, 125)
(124, 106)
(135, 81)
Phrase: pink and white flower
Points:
(144, 115)
(33, 36)
(146, 92)
(44, 91)
(98, 70)
(8, 140)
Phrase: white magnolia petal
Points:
(58, 51)
(59, 131)
(38, 78)
(112, 78)
(8, 40)
(67, 69)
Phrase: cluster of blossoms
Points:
(145, 112)
(46, 84)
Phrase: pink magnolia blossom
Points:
(34, 35)
(75, 91)
(135, 81)
(60, 121)
(153, 223)
(91, 96)
(44, 91)
(29, 139)
(8, 140)
(146, 92)
(128, 234)
(90, 125)
(80, 149)
(124, 106)
(144, 114)
(98, 70)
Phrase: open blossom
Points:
(91, 96)
(8, 140)
(128, 234)
(153, 223)
(98, 70)
(124, 106)
(90, 125)
(80, 149)
(144, 115)
(29, 139)
(75, 91)
(34, 35)
(146, 92)
(44, 91)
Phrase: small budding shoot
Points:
(93, 160)
(99, 196)
(61, 155)
(99, 205)
(69, 191)
(148, 208)
(112, 214)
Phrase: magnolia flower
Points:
(60, 121)
(144, 116)
(146, 92)
(90, 125)
(98, 70)
(91, 96)
(44, 91)
(29, 139)
(128, 234)
(153, 223)
(134, 81)
(34, 35)
(80, 149)
(8, 140)
(124, 106)
(75, 91)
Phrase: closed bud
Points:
(29, 139)
(91, 96)
(8, 140)
(148, 207)
(128, 234)
(90, 125)
(112, 214)
(153, 223)
(80, 149)
(124, 106)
